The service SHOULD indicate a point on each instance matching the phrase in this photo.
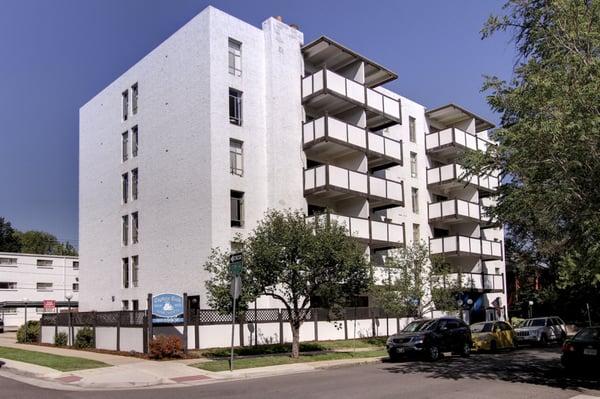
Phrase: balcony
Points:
(458, 245)
(377, 234)
(479, 282)
(447, 142)
(328, 182)
(455, 211)
(453, 176)
(328, 138)
(327, 92)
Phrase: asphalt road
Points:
(530, 373)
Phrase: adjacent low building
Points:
(27, 280)
(224, 121)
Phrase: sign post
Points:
(235, 267)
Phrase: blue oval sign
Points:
(167, 306)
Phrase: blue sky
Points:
(56, 55)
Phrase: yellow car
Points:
(493, 335)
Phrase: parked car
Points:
(493, 335)
(583, 349)
(430, 338)
(541, 331)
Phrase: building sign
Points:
(167, 308)
(49, 305)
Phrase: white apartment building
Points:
(27, 280)
(224, 121)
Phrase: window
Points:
(412, 129)
(6, 285)
(134, 184)
(9, 310)
(125, 266)
(125, 228)
(236, 246)
(134, 227)
(236, 157)
(8, 261)
(44, 263)
(124, 146)
(235, 107)
(413, 164)
(44, 286)
(237, 209)
(125, 305)
(134, 99)
(416, 233)
(415, 199)
(235, 57)
(135, 304)
(134, 270)
(125, 186)
(76, 264)
(75, 287)
(134, 141)
(125, 102)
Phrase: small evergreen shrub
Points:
(33, 332)
(85, 338)
(61, 339)
(166, 347)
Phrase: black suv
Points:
(430, 338)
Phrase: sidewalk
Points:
(128, 372)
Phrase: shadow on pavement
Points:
(531, 366)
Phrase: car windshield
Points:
(535, 323)
(481, 327)
(419, 325)
(588, 334)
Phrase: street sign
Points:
(236, 264)
(236, 287)
(49, 305)
(167, 308)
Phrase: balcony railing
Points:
(380, 149)
(458, 245)
(454, 174)
(325, 82)
(473, 281)
(454, 209)
(326, 178)
(375, 232)
(452, 138)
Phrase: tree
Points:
(415, 284)
(292, 260)
(9, 241)
(40, 242)
(549, 137)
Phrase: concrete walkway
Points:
(129, 372)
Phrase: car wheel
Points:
(393, 356)
(433, 353)
(465, 350)
(493, 347)
(543, 340)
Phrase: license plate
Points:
(400, 350)
(590, 352)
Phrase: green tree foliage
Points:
(549, 138)
(40, 242)
(415, 284)
(291, 260)
(9, 241)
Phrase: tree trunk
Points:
(295, 340)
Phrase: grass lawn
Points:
(262, 361)
(61, 363)
(312, 346)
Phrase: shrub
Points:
(85, 338)
(61, 339)
(166, 347)
(33, 332)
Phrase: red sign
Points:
(49, 304)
